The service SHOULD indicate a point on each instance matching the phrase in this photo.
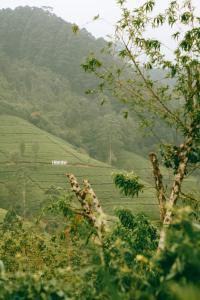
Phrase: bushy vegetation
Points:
(126, 266)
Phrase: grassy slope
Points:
(41, 173)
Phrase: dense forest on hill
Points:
(45, 40)
(42, 81)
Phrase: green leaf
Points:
(75, 28)
(121, 2)
(176, 35)
(159, 20)
(123, 53)
(96, 17)
(128, 183)
(186, 17)
(125, 114)
(149, 5)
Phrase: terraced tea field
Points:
(33, 166)
(26, 170)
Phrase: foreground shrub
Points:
(127, 266)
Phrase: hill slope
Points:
(32, 34)
(26, 170)
(40, 71)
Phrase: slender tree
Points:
(173, 99)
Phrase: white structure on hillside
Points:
(59, 162)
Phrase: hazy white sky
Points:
(81, 12)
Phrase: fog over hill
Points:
(42, 81)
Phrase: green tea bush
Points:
(126, 266)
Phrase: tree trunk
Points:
(159, 185)
(96, 207)
(176, 189)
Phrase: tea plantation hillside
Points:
(26, 170)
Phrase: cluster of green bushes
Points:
(72, 265)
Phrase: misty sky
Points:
(81, 12)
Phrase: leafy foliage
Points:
(128, 184)
(173, 100)
(171, 157)
(180, 261)
(131, 267)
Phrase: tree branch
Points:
(90, 205)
